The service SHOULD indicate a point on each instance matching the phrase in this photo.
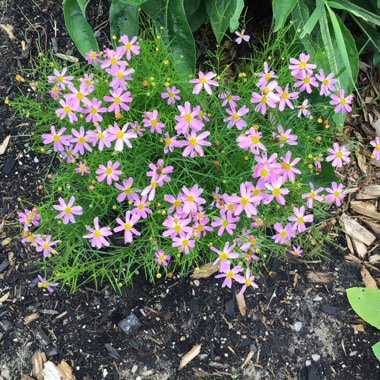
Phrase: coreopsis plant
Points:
(160, 175)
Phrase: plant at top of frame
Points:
(176, 20)
(161, 174)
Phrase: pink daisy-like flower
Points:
(285, 136)
(121, 135)
(235, 117)
(82, 168)
(58, 138)
(247, 281)
(55, 92)
(286, 97)
(60, 78)
(159, 171)
(80, 138)
(171, 143)
(226, 222)
(276, 191)
(88, 81)
(342, 103)
(336, 193)
(229, 274)
(191, 198)
(29, 217)
(301, 66)
(127, 226)
(313, 194)
(265, 76)
(119, 100)
(246, 201)
(267, 169)
(99, 137)
(288, 169)
(376, 144)
(251, 140)
(327, 82)
(66, 111)
(121, 74)
(67, 210)
(175, 225)
(45, 245)
(204, 81)
(188, 119)
(194, 144)
(94, 111)
(76, 97)
(172, 94)
(93, 57)
(296, 251)
(151, 120)
(303, 109)
(299, 218)
(305, 82)
(339, 155)
(176, 202)
(112, 58)
(228, 99)
(43, 283)
(110, 173)
(129, 46)
(284, 234)
(126, 188)
(224, 255)
(267, 98)
(241, 37)
(98, 235)
(141, 206)
(161, 258)
(184, 242)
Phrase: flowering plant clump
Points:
(162, 174)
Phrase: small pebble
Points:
(134, 369)
(297, 326)
(196, 282)
(129, 324)
(315, 357)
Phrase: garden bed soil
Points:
(293, 328)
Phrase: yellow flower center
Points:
(264, 100)
(286, 165)
(339, 154)
(229, 97)
(302, 65)
(171, 94)
(94, 110)
(230, 207)
(313, 194)
(81, 140)
(276, 191)
(127, 226)
(177, 203)
(46, 245)
(283, 233)
(285, 95)
(67, 109)
(283, 137)
(109, 171)
(60, 78)
(128, 190)
(223, 256)
(268, 76)
(266, 90)
(306, 80)
(177, 228)
(188, 117)
(253, 240)
(128, 46)
(120, 75)
(203, 80)
(337, 193)
(193, 141)
(113, 61)
(325, 81)
(79, 95)
(185, 242)
(256, 191)
(343, 101)
(141, 206)
(97, 233)
(225, 222)
(154, 184)
(244, 201)
(43, 284)
(117, 100)
(168, 140)
(377, 146)
(93, 54)
(161, 257)
(235, 116)
(67, 210)
(264, 172)
(56, 138)
(154, 122)
(119, 134)
(31, 215)
(300, 219)
(230, 274)
(100, 135)
(255, 139)
(190, 198)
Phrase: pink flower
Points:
(141, 206)
(59, 78)
(225, 222)
(176, 202)
(313, 195)
(191, 198)
(94, 111)
(93, 57)
(82, 168)
(130, 47)
(29, 217)
(245, 202)
(241, 37)
(119, 100)
(228, 99)
(171, 143)
(112, 58)
(88, 82)
(43, 283)
(267, 169)
(266, 98)
(110, 172)
(159, 171)
(301, 66)
(121, 136)
(99, 137)
(300, 219)
(251, 140)
(58, 138)
(67, 210)
(265, 76)
(127, 226)
(45, 245)
(171, 94)
(276, 191)
(184, 242)
(55, 92)
(288, 169)
(248, 280)
(66, 111)
(327, 82)
(376, 144)
(98, 235)
(284, 233)
(286, 97)
(188, 119)
(161, 257)
(204, 81)
(224, 254)
(235, 117)
(194, 144)
(304, 108)
(81, 139)
(120, 74)
(152, 122)
(296, 251)
(76, 97)
(336, 193)
(339, 155)
(285, 136)
(229, 274)
(343, 103)
(305, 82)
(126, 188)
(175, 226)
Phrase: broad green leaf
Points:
(300, 15)
(313, 19)
(326, 176)
(366, 303)
(234, 20)
(281, 11)
(198, 18)
(356, 10)
(376, 350)
(170, 16)
(124, 19)
(134, 2)
(220, 13)
(79, 29)
(191, 6)
(347, 50)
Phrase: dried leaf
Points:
(9, 29)
(368, 280)
(30, 318)
(352, 258)
(361, 162)
(319, 277)
(4, 144)
(247, 359)
(38, 360)
(358, 328)
(189, 356)
(355, 230)
(205, 271)
(241, 304)
(4, 297)
(66, 371)
(69, 58)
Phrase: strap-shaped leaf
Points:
(133, 2)
(313, 19)
(281, 11)
(80, 31)
(356, 10)
(300, 15)
(234, 20)
(124, 19)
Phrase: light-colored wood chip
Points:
(247, 359)
(26, 377)
(30, 318)
(4, 145)
(66, 371)
(355, 230)
(374, 259)
(349, 244)
(241, 304)
(352, 258)
(375, 227)
(204, 271)
(148, 373)
(319, 277)
(361, 162)
(369, 192)
(38, 361)
(9, 29)
(360, 248)
(4, 297)
(358, 328)
(368, 280)
(190, 355)
(366, 209)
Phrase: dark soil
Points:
(82, 329)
